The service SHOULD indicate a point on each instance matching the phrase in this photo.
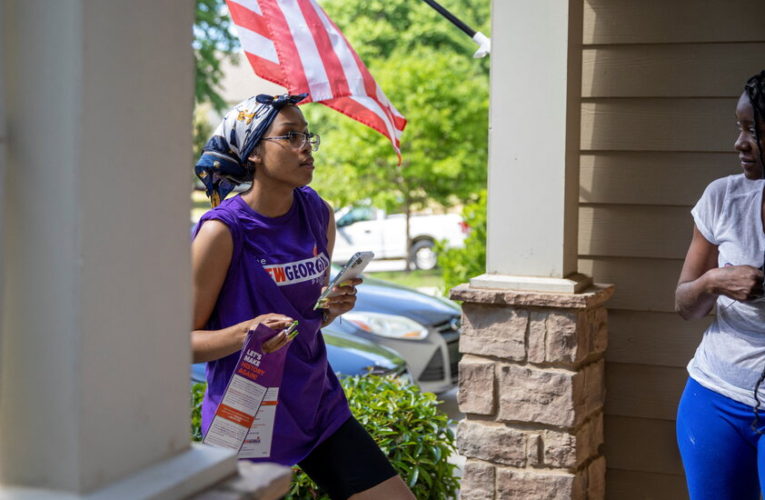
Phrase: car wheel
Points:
(423, 255)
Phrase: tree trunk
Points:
(404, 189)
(408, 213)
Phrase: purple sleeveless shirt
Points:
(279, 265)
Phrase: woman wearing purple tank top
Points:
(263, 257)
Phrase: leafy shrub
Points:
(197, 394)
(404, 422)
(409, 429)
(461, 264)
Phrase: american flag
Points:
(293, 43)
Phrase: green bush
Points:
(407, 426)
(197, 394)
(461, 264)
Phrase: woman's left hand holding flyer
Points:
(244, 419)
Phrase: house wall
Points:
(659, 87)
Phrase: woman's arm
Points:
(693, 296)
(331, 230)
(344, 297)
(211, 253)
(701, 281)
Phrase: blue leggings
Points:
(722, 456)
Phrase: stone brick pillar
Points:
(532, 388)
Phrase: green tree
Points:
(424, 64)
(444, 145)
(461, 264)
(378, 28)
(213, 43)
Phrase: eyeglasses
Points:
(298, 140)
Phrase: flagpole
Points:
(484, 43)
(451, 17)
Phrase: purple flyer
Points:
(244, 419)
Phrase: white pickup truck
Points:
(368, 228)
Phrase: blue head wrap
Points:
(223, 164)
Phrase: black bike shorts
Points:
(347, 462)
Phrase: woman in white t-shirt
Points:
(719, 430)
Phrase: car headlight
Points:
(387, 325)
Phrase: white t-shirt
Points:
(731, 355)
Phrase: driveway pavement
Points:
(449, 406)
(381, 266)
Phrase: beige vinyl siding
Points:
(672, 21)
(650, 178)
(652, 231)
(624, 485)
(663, 338)
(643, 445)
(609, 71)
(642, 284)
(660, 80)
(658, 124)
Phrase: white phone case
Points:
(352, 269)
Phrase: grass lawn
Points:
(199, 204)
(414, 279)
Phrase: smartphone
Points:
(351, 269)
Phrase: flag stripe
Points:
(338, 84)
(361, 77)
(366, 111)
(380, 102)
(385, 105)
(257, 44)
(378, 110)
(318, 82)
(247, 4)
(368, 81)
(384, 98)
(354, 109)
(269, 71)
(242, 16)
(344, 52)
(292, 67)
(293, 43)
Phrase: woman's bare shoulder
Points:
(214, 235)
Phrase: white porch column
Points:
(94, 380)
(534, 333)
(534, 146)
(3, 160)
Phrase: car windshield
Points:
(356, 214)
